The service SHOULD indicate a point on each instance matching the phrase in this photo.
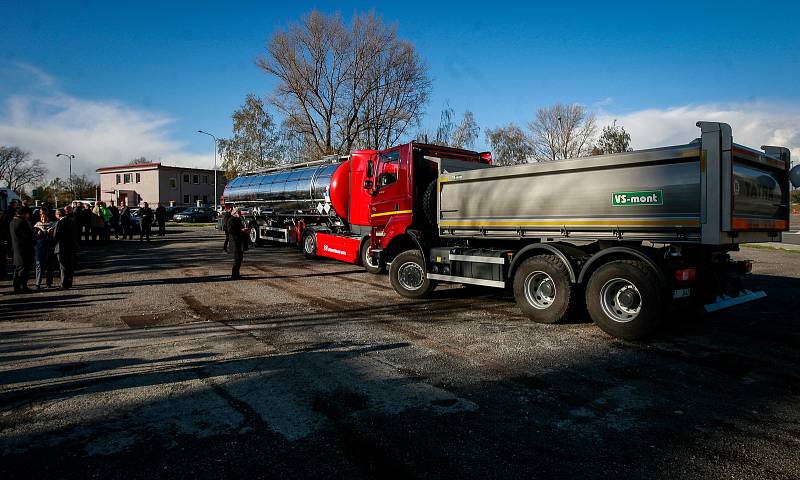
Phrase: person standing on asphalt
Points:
(22, 243)
(146, 216)
(5, 243)
(84, 221)
(161, 219)
(126, 223)
(66, 238)
(114, 219)
(226, 217)
(43, 234)
(239, 236)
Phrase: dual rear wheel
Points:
(623, 297)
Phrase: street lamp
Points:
(71, 185)
(215, 166)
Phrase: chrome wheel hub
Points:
(620, 300)
(540, 290)
(411, 276)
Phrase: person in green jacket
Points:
(105, 214)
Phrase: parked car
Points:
(195, 214)
(171, 211)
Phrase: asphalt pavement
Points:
(155, 365)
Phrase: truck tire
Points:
(366, 259)
(625, 299)
(309, 244)
(255, 239)
(429, 204)
(543, 290)
(408, 277)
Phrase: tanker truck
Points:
(624, 237)
(321, 206)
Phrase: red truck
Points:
(323, 207)
(621, 237)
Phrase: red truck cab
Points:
(401, 182)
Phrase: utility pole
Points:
(71, 184)
(215, 166)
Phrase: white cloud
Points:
(43, 78)
(46, 121)
(754, 124)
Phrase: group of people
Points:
(101, 221)
(49, 240)
(42, 240)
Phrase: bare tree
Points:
(562, 131)
(613, 139)
(466, 133)
(137, 161)
(255, 139)
(341, 86)
(18, 169)
(444, 132)
(509, 145)
(60, 189)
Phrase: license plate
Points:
(681, 293)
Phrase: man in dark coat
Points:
(83, 216)
(114, 219)
(226, 217)
(5, 243)
(239, 236)
(66, 239)
(23, 245)
(126, 223)
(146, 216)
(161, 219)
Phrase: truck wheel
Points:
(366, 259)
(408, 277)
(254, 238)
(625, 299)
(310, 245)
(543, 291)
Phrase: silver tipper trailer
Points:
(623, 236)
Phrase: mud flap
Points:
(725, 301)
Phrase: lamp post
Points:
(215, 166)
(71, 185)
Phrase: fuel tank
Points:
(305, 190)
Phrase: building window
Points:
(138, 178)
(173, 183)
(119, 178)
(205, 199)
(195, 179)
(186, 178)
(186, 199)
(205, 179)
(196, 198)
(127, 178)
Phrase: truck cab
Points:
(402, 183)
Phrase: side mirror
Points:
(794, 176)
(368, 185)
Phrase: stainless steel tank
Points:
(293, 191)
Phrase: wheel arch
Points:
(412, 239)
(563, 252)
(620, 253)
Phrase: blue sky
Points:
(82, 71)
